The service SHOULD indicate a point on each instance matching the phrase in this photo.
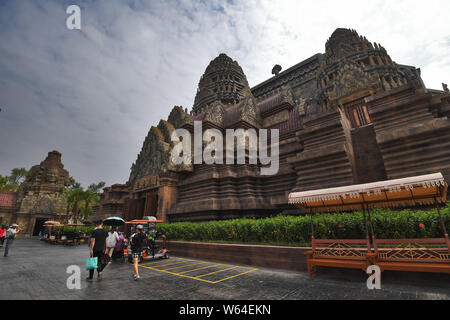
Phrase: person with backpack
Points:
(138, 242)
(10, 236)
(118, 250)
(99, 240)
(113, 238)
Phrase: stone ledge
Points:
(276, 257)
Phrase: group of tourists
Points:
(8, 234)
(103, 244)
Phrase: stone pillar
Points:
(167, 194)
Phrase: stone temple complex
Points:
(38, 198)
(350, 115)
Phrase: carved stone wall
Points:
(39, 196)
(320, 147)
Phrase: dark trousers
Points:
(2, 240)
(99, 255)
(9, 243)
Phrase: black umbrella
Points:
(113, 221)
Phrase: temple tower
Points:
(223, 80)
(39, 197)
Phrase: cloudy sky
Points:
(94, 93)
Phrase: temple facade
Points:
(39, 198)
(350, 115)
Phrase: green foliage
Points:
(3, 180)
(83, 229)
(96, 187)
(5, 185)
(17, 176)
(80, 201)
(295, 230)
(73, 184)
(12, 182)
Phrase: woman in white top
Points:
(113, 237)
(10, 236)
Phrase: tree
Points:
(96, 187)
(5, 185)
(3, 180)
(89, 197)
(74, 197)
(17, 176)
(79, 200)
(73, 184)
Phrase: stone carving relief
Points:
(250, 111)
(287, 95)
(350, 79)
(155, 155)
(44, 205)
(178, 117)
(215, 113)
(48, 175)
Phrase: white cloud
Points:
(94, 94)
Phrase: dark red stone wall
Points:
(286, 258)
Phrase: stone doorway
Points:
(145, 205)
(38, 224)
(151, 204)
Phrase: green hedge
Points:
(85, 229)
(296, 230)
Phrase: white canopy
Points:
(426, 189)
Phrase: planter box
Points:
(286, 258)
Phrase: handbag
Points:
(91, 263)
(105, 260)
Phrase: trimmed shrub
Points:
(85, 229)
(296, 230)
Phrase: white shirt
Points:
(11, 232)
(112, 239)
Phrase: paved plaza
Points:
(37, 270)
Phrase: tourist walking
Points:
(138, 241)
(2, 235)
(10, 236)
(99, 239)
(113, 238)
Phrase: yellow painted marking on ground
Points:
(237, 275)
(218, 271)
(172, 264)
(214, 265)
(193, 264)
(181, 274)
(157, 262)
(177, 274)
(160, 262)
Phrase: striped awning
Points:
(426, 189)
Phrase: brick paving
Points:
(37, 270)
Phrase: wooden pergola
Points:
(391, 254)
(421, 190)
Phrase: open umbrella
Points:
(113, 221)
(51, 222)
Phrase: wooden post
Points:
(372, 230)
(367, 230)
(312, 230)
(447, 240)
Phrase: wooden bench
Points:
(420, 255)
(353, 254)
